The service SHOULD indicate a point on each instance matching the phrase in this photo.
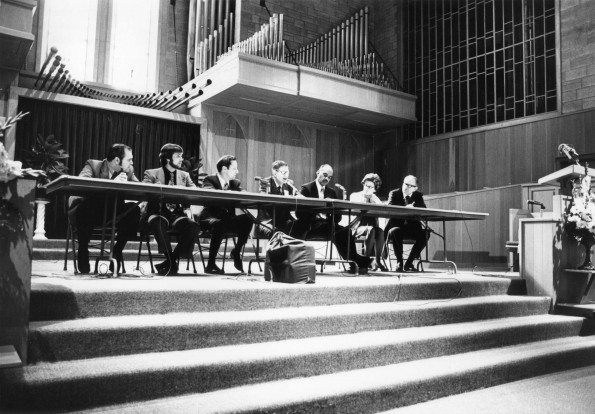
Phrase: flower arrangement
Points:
(580, 215)
(9, 169)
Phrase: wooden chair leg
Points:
(202, 258)
(66, 247)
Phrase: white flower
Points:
(8, 169)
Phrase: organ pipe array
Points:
(210, 33)
(54, 77)
(344, 51)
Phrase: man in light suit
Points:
(221, 220)
(163, 216)
(406, 196)
(311, 224)
(87, 212)
(277, 184)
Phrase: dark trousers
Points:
(88, 213)
(343, 240)
(186, 229)
(266, 230)
(237, 225)
(409, 230)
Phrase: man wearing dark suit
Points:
(311, 224)
(221, 220)
(87, 212)
(397, 229)
(163, 216)
(278, 184)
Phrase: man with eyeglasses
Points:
(309, 224)
(278, 184)
(397, 229)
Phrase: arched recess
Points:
(294, 146)
(228, 137)
(350, 155)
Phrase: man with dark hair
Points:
(278, 184)
(396, 229)
(221, 220)
(87, 212)
(163, 216)
(321, 225)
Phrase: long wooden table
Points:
(424, 215)
(75, 185)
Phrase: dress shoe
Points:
(409, 268)
(167, 268)
(214, 270)
(381, 266)
(374, 266)
(400, 268)
(237, 260)
(82, 261)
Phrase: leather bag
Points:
(289, 260)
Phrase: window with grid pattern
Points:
(477, 62)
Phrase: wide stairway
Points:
(238, 344)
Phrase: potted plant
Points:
(48, 156)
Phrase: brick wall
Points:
(577, 55)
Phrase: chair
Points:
(391, 254)
(72, 241)
(206, 234)
(146, 237)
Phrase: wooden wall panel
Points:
(514, 154)
(475, 243)
(258, 141)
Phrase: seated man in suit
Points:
(397, 229)
(87, 212)
(163, 216)
(311, 224)
(220, 220)
(278, 184)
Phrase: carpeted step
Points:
(124, 335)
(371, 390)
(78, 297)
(98, 381)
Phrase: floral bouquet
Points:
(580, 216)
(11, 169)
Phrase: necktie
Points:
(321, 195)
(114, 175)
(279, 190)
(226, 187)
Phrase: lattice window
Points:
(477, 62)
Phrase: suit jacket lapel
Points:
(104, 170)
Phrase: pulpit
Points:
(548, 256)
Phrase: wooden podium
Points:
(564, 176)
(547, 255)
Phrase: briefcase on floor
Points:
(289, 260)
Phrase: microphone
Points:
(569, 151)
(290, 183)
(264, 184)
(536, 203)
(340, 187)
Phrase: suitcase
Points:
(289, 260)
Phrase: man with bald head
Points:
(311, 224)
(397, 229)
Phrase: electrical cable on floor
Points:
(458, 294)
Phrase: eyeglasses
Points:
(410, 185)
